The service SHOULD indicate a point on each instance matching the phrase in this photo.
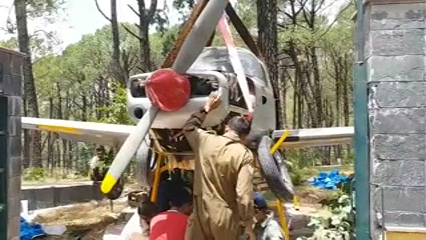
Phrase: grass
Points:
(306, 195)
(309, 194)
(52, 181)
(58, 176)
(38, 176)
(343, 169)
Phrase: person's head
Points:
(100, 152)
(181, 200)
(260, 207)
(147, 210)
(240, 126)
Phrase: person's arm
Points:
(244, 189)
(92, 165)
(93, 162)
(191, 129)
(195, 121)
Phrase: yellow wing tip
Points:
(60, 129)
(108, 183)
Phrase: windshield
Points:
(217, 59)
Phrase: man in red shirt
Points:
(171, 224)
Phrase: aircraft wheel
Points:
(116, 190)
(146, 161)
(275, 170)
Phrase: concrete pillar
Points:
(10, 142)
(395, 54)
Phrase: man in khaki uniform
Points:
(223, 179)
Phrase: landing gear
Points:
(275, 170)
(98, 175)
(146, 162)
(116, 191)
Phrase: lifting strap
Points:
(242, 30)
(236, 62)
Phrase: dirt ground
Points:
(84, 221)
(87, 221)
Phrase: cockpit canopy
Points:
(217, 59)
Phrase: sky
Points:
(81, 17)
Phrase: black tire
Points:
(146, 161)
(116, 191)
(275, 170)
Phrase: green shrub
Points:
(299, 175)
(35, 174)
(341, 224)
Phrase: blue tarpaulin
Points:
(30, 231)
(328, 180)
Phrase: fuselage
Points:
(212, 71)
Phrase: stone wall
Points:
(47, 196)
(10, 142)
(395, 54)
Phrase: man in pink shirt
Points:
(171, 224)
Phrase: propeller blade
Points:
(192, 46)
(235, 61)
(127, 150)
(199, 35)
(195, 13)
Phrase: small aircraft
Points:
(162, 101)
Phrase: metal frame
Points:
(362, 147)
(280, 206)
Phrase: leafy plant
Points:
(34, 174)
(116, 112)
(299, 175)
(344, 189)
(340, 225)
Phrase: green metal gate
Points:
(362, 151)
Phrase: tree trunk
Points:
(50, 138)
(267, 40)
(118, 73)
(145, 18)
(27, 141)
(84, 109)
(29, 86)
(65, 149)
(317, 89)
(283, 98)
(58, 158)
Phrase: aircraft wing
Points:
(313, 137)
(98, 133)
(115, 135)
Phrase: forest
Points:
(309, 54)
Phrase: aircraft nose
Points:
(168, 90)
